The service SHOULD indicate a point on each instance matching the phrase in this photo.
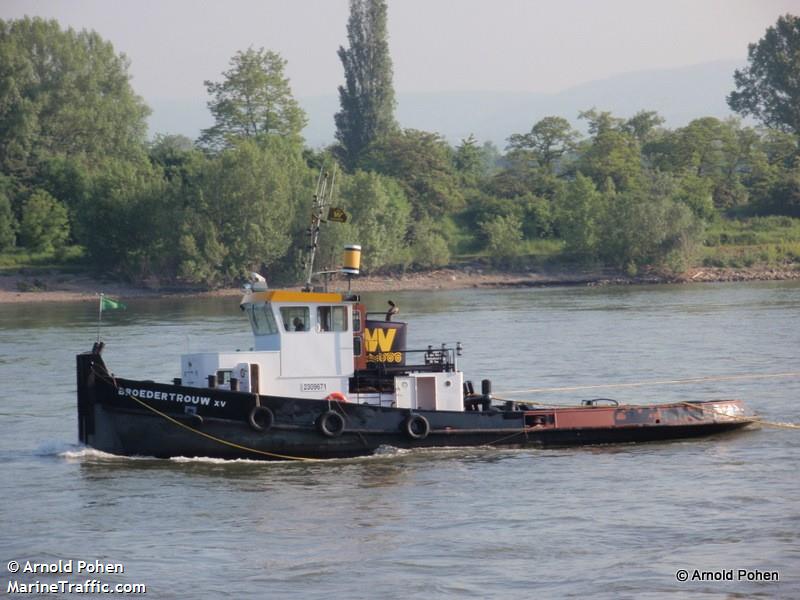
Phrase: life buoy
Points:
(331, 424)
(337, 396)
(416, 427)
(242, 373)
(261, 418)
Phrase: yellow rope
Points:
(658, 382)
(775, 424)
(534, 390)
(220, 440)
(212, 437)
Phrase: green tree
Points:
(254, 100)
(532, 212)
(772, 177)
(491, 158)
(503, 234)
(69, 179)
(768, 88)
(429, 247)
(600, 121)
(422, 163)
(521, 177)
(644, 125)
(719, 152)
(646, 227)
(8, 224)
(169, 150)
(131, 220)
(201, 252)
(367, 98)
(470, 161)
(63, 93)
(546, 143)
(784, 196)
(240, 210)
(580, 212)
(697, 193)
(536, 161)
(44, 225)
(174, 154)
(378, 220)
(612, 157)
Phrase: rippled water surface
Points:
(598, 522)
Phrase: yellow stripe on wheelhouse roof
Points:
(291, 296)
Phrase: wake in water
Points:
(223, 461)
(74, 451)
(79, 452)
(56, 448)
(84, 453)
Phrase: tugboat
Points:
(326, 379)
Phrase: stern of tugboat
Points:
(91, 369)
(86, 362)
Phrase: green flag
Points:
(107, 303)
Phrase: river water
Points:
(597, 522)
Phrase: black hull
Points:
(138, 418)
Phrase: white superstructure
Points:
(307, 345)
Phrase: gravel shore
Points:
(65, 287)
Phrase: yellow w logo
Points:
(383, 338)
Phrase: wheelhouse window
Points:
(295, 318)
(332, 318)
(262, 319)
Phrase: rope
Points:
(657, 382)
(220, 440)
(230, 444)
(212, 437)
(776, 424)
(503, 439)
(520, 401)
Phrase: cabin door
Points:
(426, 393)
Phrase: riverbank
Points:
(56, 286)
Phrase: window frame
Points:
(268, 316)
(292, 315)
(327, 319)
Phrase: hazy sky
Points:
(436, 45)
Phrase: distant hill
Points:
(679, 95)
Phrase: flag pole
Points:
(99, 317)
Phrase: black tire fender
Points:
(331, 424)
(261, 418)
(416, 427)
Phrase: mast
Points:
(321, 200)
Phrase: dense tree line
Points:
(77, 169)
